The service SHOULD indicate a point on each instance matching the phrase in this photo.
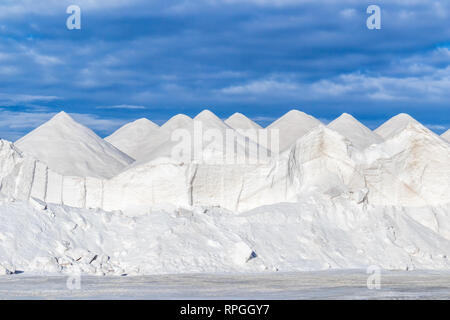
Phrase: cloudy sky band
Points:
(258, 57)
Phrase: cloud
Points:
(438, 127)
(429, 88)
(23, 120)
(261, 87)
(123, 106)
(421, 78)
(15, 98)
(44, 60)
(13, 8)
(348, 13)
(258, 57)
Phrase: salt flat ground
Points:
(347, 284)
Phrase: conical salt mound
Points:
(292, 126)
(177, 122)
(134, 137)
(211, 148)
(359, 135)
(239, 121)
(395, 125)
(244, 126)
(210, 120)
(71, 149)
(162, 144)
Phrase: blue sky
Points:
(154, 59)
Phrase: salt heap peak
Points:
(395, 125)
(446, 135)
(71, 149)
(140, 124)
(213, 150)
(239, 121)
(145, 122)
(62, 116)
(358, 134)
(209, 119)
(292, 126)
(165, 144)
(134, 137)
(178, 121)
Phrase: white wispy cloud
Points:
(348, 13)
(10, 99)
(413, 80)
(11, 8)
(427, 87)
(437, 127)
(123, 106)
(261, 86)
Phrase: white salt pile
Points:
(239, 121)
(70, 148)
(338, 196)
(292, 126)
(358, 134)
(134, 137)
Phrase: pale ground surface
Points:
(345, 284)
